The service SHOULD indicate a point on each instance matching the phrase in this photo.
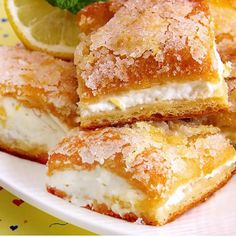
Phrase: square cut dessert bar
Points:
(151, 60)
(153, 171)
(224, 14)
(227, 121)
(37, 102)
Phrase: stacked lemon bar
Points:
(149, 62)
(224, 13)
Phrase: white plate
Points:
(26, 180)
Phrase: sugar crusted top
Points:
(153, 156)
(147, 38)
(39, 80)
(157, 27)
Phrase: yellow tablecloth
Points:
(16, 216)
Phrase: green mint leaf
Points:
(73, 6)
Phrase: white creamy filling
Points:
(29, 126)
(99, 184)
(192, 90)
(179, 194)
(174, 91)
(83, 187)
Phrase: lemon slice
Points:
(41, 26)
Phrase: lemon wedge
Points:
(43, 27)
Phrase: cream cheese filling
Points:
(179, 195)
(83, 187)
(101, 185)
(192, 90)
(174, 91)
(28, 126)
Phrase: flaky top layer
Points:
(39, 80)
(154, 157)
(148, 42)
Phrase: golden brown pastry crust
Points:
(127, 53)
(39, 81)
(93, 16)
(34, 154)
(223, 120)
(224, 14)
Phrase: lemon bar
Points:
(37, 102)
(151, 172)
(158, 63)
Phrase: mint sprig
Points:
(73, 6)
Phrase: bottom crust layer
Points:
(33, 154)
(169, 110)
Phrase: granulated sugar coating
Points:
(154, 155)
(145, 43)
(39, 80)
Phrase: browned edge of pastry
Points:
(92, 124)
(39, 158)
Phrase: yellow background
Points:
(25, 219)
